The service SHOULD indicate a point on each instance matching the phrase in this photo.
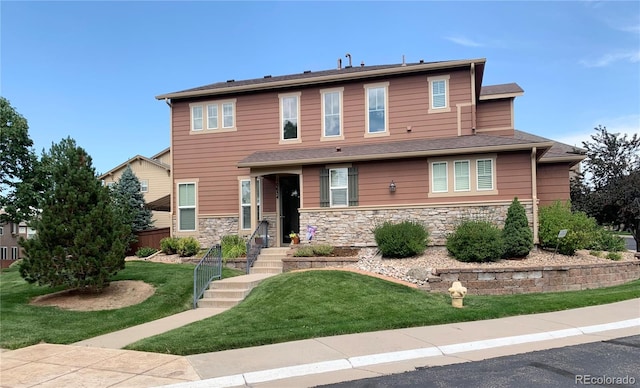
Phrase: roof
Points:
(319, 77)
(159, 154)
(492, 92)
(137, 157)
(560, 152)
(393, 150)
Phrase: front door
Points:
(289, 205)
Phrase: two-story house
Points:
(154, 174)
(10, 234)
(345, 149)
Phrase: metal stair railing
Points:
(209, 268)
(258, 240)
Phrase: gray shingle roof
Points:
(558, 151)
(509, 88)
(391, 150)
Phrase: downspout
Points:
(171, 190)
(473, 98)
(534, 194)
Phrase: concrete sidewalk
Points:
(321, 360)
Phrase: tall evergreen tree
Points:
(517, 236)
(130, 200)
(79, 238)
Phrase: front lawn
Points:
(23, 324)
(302, 305)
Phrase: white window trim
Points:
(144, 185)
(447, 94)
(195, 206)
(204, 105)
(473, 176)
(192, 117)
(386, 131)
(14, 253)
(446, 175)
(493, 174)
(455, 177)
(217, 120)
(244, 205)
(3, 253)
(323, 136)
(233, 114)
(298, 139)
(346, 187)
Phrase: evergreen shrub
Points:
(517, 236)
(169, 245)
(476, 241)
(404, 239)
(233, 246)
(187, 246)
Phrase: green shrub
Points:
(607, 241)
(614, 256)
(581, 229)
(145, 251)
(517, 236)
(187, 246)
(313, 250)
(405, 239)
(233, 246)
(476, 241)
(169, 245)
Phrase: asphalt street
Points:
(607, 363)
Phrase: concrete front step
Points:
(228, 292)
(266, 270)
(267, 263)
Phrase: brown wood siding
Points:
(212, 158)
(411, 177)
(553, 183)
(494, 114)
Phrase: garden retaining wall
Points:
(501, 281)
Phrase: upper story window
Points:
(144, 186)
(332, 114)
(465, 180)
(1, 230)
(218, 116)
(439, 94)
(186, 206)
(290, 117)
(376, 107)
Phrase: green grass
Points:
(302, 305)
(23, 324)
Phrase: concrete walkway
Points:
(316, 361)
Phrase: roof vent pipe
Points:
(362, 64)
(403, 62)
(348, 56)
(339, 63)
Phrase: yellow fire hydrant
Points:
(457, 293)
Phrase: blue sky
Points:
(91, 70)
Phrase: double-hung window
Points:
(376, 106)
(439, 94)
(144, 186)
(210, 116)
(3, 253)
(439, 180)
(290, 116)
(186, 206)
(462, 176)
(14, 253)
(245, 203)
(484, 174)
(338, 187)
(332, 114)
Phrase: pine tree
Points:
(517, 236)
(130, 200)
(79, 240)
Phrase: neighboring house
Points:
(154, 174)
(345, 149)
(10, 234)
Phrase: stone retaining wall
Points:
(294, 263)
(501, 281)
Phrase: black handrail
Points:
(258, 240)
(209, 268)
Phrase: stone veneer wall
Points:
(501, 281)
(211, 229)
(354, 226)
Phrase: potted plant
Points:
(295, 239)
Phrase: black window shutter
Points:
(353, 186)
(324, 187)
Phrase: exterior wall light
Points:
(392, 187)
